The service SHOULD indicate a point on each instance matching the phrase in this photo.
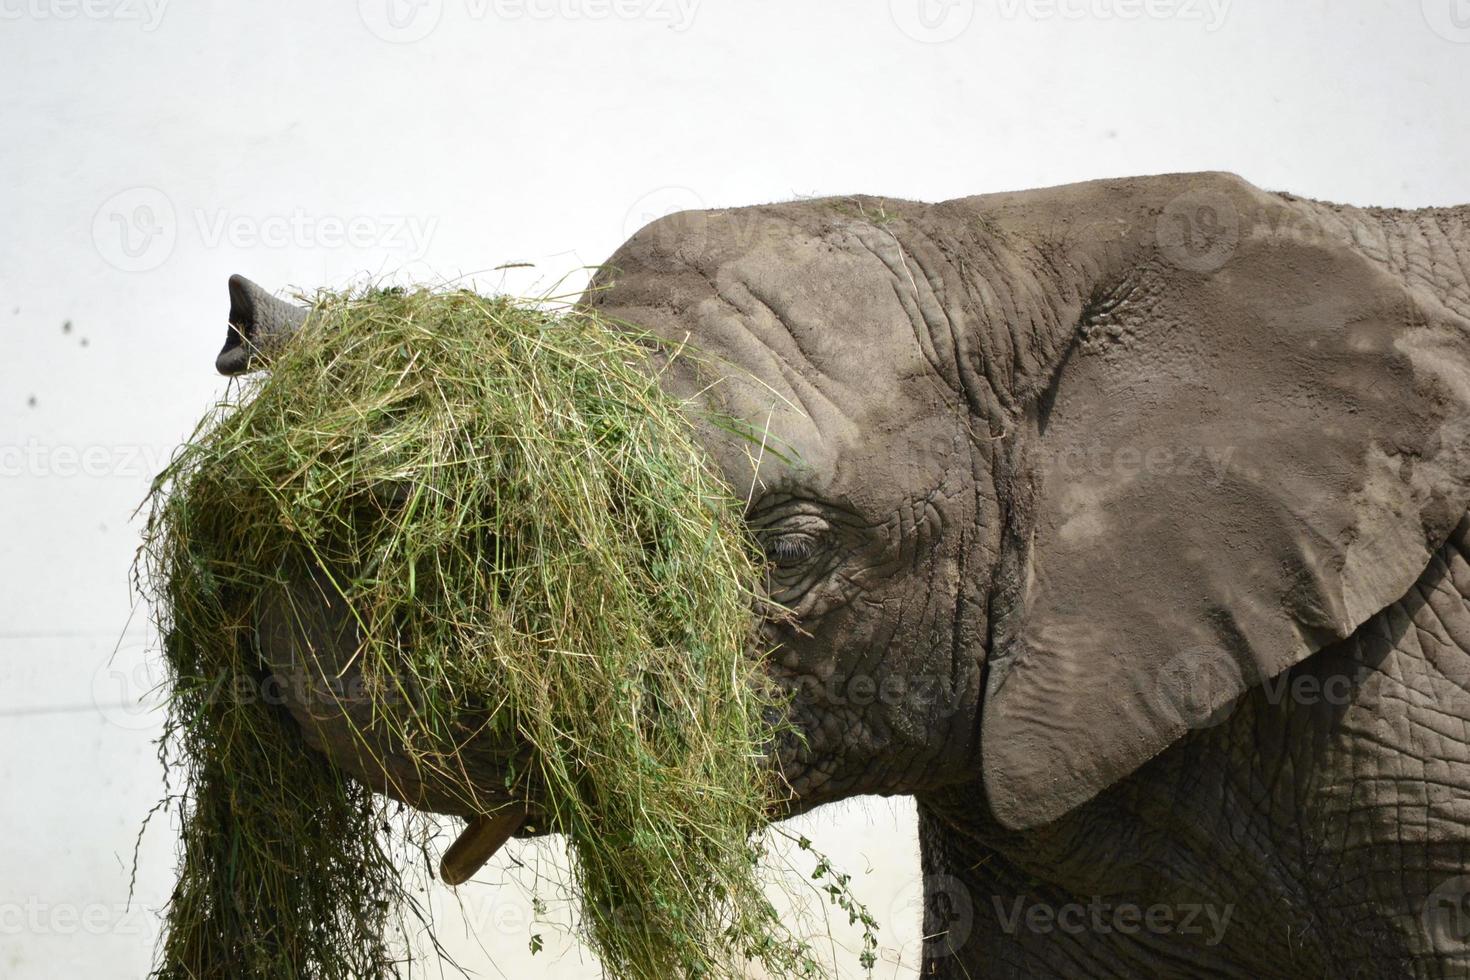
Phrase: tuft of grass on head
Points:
(532, 544)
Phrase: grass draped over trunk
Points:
(536, 556)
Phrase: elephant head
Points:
(1034, 446)
(1044, 478)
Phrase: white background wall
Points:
(148, 149)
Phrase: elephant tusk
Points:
(477, 843)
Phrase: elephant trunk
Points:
(259, 324)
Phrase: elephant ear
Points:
(1230, 470)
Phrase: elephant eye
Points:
(790, 548)
(798, 549)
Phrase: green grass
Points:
(535, 549)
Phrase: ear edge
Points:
(1013, 745)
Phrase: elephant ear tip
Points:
(1018, 805)
(1027, 783)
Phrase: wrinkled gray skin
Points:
(1123, 527)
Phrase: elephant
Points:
(1123, 526)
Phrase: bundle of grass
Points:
(531, 547)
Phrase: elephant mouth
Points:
(307, 642)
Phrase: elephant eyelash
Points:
(798, 549)
(791, 548)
